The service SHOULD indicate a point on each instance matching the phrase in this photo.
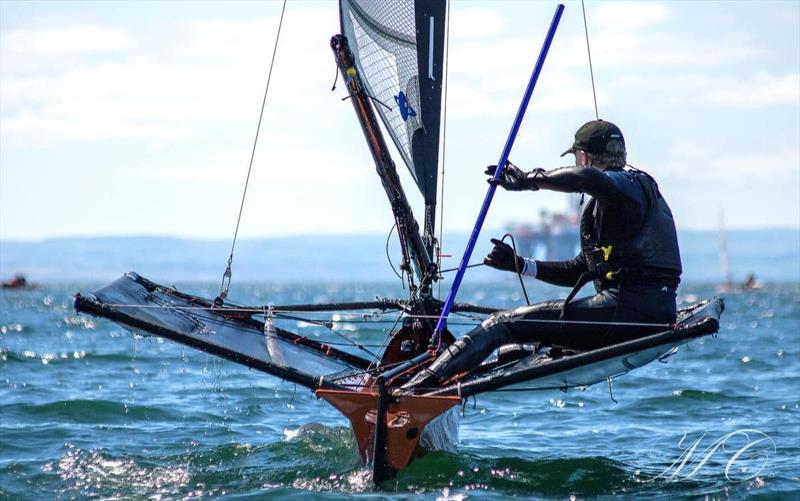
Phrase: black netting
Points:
(383, 38)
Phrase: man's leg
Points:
(592, 322)
(468, 352)
(540, 322)
(499, 329)
(577, 329)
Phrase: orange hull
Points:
(405, 419)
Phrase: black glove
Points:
(503, 257)
(513, 178)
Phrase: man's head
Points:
(600, 144)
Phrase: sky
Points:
(138, 118)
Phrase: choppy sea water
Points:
(88, 410)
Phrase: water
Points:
(87, 410)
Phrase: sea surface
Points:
(89, 410)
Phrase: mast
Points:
(415, 252)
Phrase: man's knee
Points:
(544, 310)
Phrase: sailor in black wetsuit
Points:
(629, 248)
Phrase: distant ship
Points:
(554, 237)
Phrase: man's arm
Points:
(575, 180)
(564, 179)
(564, 273)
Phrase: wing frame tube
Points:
(240, 314)
(706, 325)
(86, 305)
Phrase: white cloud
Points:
(757, 91)
(203, 71)
(322, 169)
(474, 22)
(761, 90)
(781, 164)
(729, 167)
(622, 16)
(78, 39)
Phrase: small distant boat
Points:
(751, 282)
(20, 281)
(728, 285)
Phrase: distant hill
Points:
(774, 255)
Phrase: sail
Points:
(398, 47)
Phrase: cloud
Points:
(78, 39)
(782, 164)
(757, 91)
(633, 47)
(205, 70)
(691, 160)
(624, 16)
(475, 22)
(323, 169)
(761, 90)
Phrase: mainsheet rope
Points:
(223, 288)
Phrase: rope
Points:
(516, 266)
(386, 340)
(359, 318)
(223, 289)
(444, 142)
(588, 51)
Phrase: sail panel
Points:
(398, 47)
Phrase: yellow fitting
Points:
(606, 252)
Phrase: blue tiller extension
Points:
(501, 165)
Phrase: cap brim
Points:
(571, 150)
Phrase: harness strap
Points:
(584, 279)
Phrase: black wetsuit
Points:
(629, 249)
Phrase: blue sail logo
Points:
(405, 109)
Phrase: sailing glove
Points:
(513, 178)
(504, 258)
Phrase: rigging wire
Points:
(473, 265)
(360, 319)
(588, 51)
(328, 325)
(223, 289)
(377, 360)
(389, 258)
(444, 142)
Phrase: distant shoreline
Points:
(772, 254)
(457, 234)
